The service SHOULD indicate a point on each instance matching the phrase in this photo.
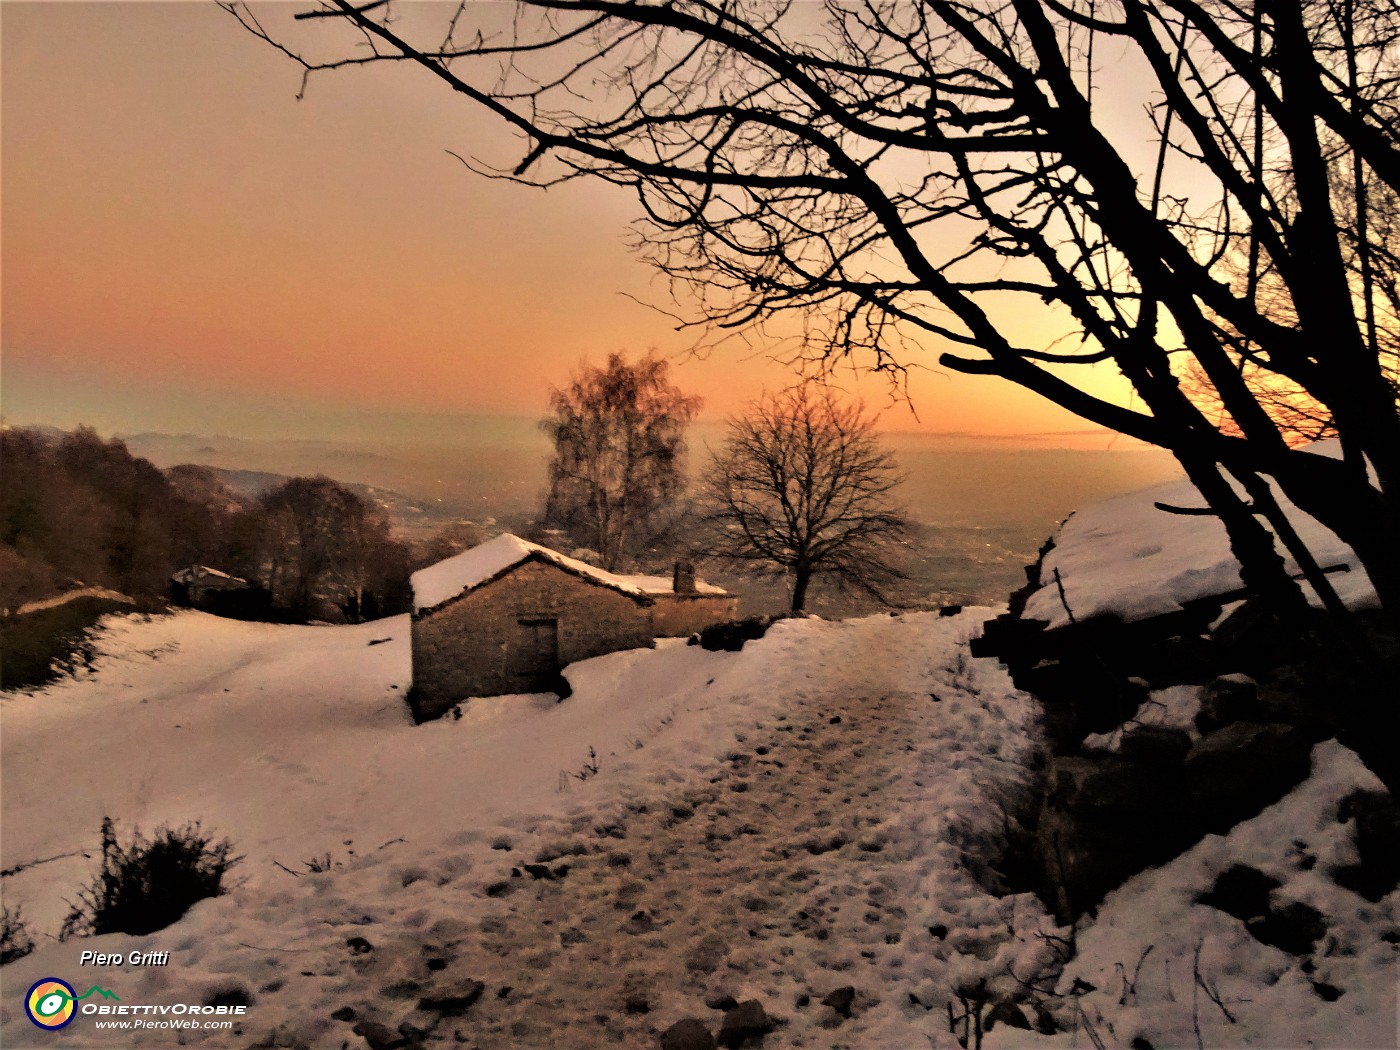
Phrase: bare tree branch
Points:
(906, 176)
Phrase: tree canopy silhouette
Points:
(802, 488)
(317, 542)
(619, 438)
(951, 174)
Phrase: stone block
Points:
(1236, 771)
(1228, 698)
(1161, 748)
(1102, 784)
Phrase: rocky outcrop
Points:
(1236, 771)
(689, 1033)
(1247, 894)
(1123, 793)
(1105, 818)
(1377, 818)
(731, 635)
(744, 1022)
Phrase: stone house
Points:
(200, 587)
(508, 615)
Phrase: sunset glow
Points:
(189, 247)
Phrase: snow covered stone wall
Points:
(1175, 704)
(681, 615)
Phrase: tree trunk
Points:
(1261, 566)
(1362, 518)
(1346, 676)
(801, 578)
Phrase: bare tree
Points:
(1299, 416)
(371, 568)
(619, 439)
(318, 541)
(801, 488)
(904, 172)
(953, 174)
(1369, 226)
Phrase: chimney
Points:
(683, 579)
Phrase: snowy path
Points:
(815, 858)
(829, 846)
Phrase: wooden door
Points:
(534, 656)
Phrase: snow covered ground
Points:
(1181, 974)
(815, 812)
(773, 823)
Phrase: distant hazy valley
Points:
(982, 508)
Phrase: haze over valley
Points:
(981, 508)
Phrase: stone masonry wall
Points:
(679, 616)
(463, 648)
(1126, 788)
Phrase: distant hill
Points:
(253, 483)
(489, 469)
(43, 431)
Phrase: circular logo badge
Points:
(50, 1003)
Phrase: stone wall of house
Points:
(681, 615)
(465, 647)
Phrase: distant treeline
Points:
(78, 511)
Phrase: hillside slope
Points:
(821, 813)
(787, 818)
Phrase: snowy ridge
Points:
(69, 596)
(1125, 556)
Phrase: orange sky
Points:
(186, 247)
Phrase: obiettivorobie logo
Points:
(52, 1004)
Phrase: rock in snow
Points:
(743, 1022)
(688, 1033)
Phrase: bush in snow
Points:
(15, 942)
(146, 885)
(731, 635)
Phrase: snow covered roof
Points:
(203, 572)
(470, 569)
(664, 584)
